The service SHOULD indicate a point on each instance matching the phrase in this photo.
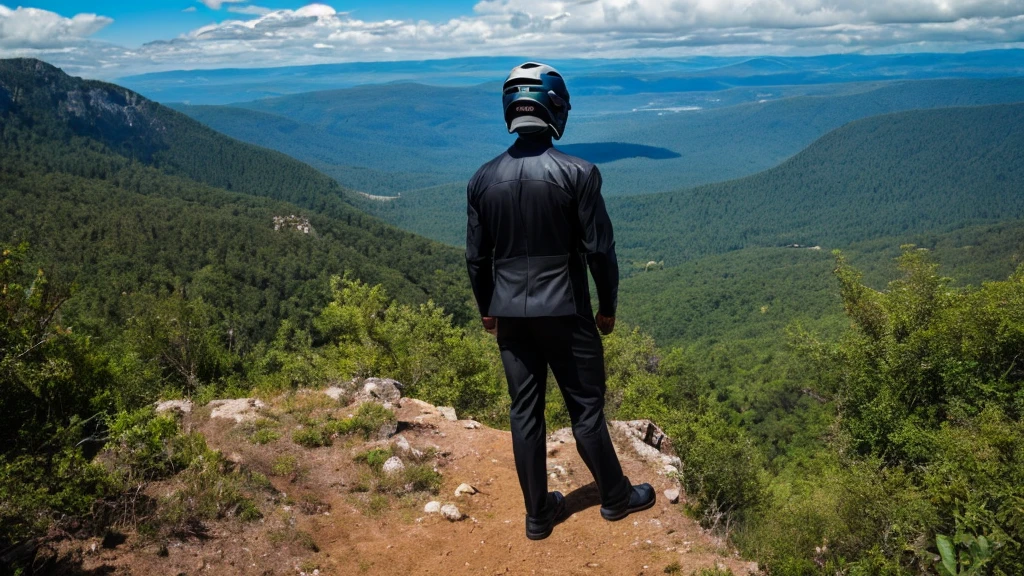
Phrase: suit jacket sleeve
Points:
(479, 253)
(599, 243)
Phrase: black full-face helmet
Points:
(535, 98)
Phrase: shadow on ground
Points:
(580, 499)
(601, 152)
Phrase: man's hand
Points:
(605, 324)
(490, 325)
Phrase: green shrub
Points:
(285, 465)
(264, 436)
(206, 492)
(368, 334)
(418, 475)
(927, 455)
(721, 469)
(374, 458)
(368, 420)
(311, 437)
(144, 445)
(412, 478)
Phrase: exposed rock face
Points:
(448, 412)
(240, 409)
(382, 390)
(403, 446)
(179, 406)
(649, 441)
(335, 392)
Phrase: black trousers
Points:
(571, 346)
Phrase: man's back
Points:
(536, 220)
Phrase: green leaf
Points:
(984, 547)
(948, 555)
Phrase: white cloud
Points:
(35, 28)
(189, 9)
(250, 9)
(216, 4)
(317, 33)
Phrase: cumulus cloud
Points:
(216, 4)
(250, 9)
(35, 28)
(318, 33)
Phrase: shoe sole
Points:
(613, 516)
(543, 535)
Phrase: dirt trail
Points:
(397, 537)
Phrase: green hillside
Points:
(399, 129)
(130, 196)
(892, 175)
(724, 143)
(906, 173)
(757, 293)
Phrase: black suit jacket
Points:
(536, 222)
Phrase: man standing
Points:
(536, 222)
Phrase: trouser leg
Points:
(526, 373)
(576, 357)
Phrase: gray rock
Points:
(451, 512)
(393, 466)
(381, 390)
(448, 412)
(404, 447)
(335, 392)
(402, 444)
(239, 409)
(432, 507)
(672, 495)
(465, 489)
(648, 441)
(182, 406)
(386, 430)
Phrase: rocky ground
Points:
(334, 510)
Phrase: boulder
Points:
(465, 489)
(451, 512)
(672, 495)
(179, 406)
(392, 466)
(239, 409)
(448, 412)
(381, 390)
(432, 507)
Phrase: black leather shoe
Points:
(540, 528)
(641, 497)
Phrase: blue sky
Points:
(107, 38)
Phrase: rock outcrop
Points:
(455, 480)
